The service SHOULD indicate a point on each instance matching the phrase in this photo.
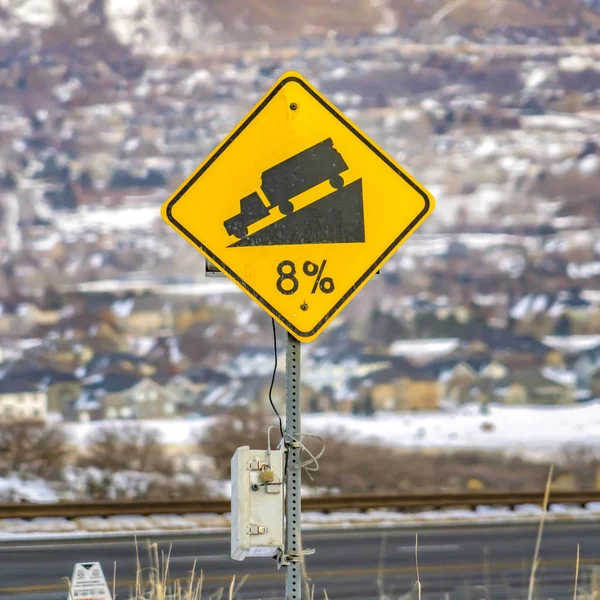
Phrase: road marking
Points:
(465, 529)
(127, 542)
(331, 574)
(200, 558)
(433, 548)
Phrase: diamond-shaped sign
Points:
(298, 207)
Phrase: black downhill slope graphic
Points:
(336, 218)
(288, 179)
(88, 566)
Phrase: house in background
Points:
(190, 384)
(540, 386)
(397, 388)
(100, 332)
(166, 356)
(15, 319)
(419, 391)
(21, 400)
(118, 362)
(585, 364)
(61, 389)
(65, 354)
(123, 396)
(142, 314)
(595, 382)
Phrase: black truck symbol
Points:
(287, 180)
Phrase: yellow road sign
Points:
(298, 207)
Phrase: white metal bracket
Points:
(256, 529)
(284, 559)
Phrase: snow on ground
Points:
(108, 219)
(526, 428)
(202, 288)
(424, 349)
(125, 526)
(572, 343)
(13, 488)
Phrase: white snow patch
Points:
(544, 429)
(34, 12)
(424, 349)
(589, 165)
(583, 271)
(108, 219)
(122, 527)
(123, 308)
(560, 376)
(575, 63)
(15, 489)
(572, 343)
(537, 77)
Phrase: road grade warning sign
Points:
(88, 583)
(298, 207)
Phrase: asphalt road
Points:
(471, 563)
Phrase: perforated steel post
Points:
(293, 587)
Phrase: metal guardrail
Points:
(324, 504)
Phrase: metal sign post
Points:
(313, 214)
(293, 507)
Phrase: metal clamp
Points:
(255, 465)
(257, 529)
(284, 559)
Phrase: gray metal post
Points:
(293, 583)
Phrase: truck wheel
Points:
(337, 182)
(286, 208)
(241, 231)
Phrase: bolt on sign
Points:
(88, 583)
(298, 207)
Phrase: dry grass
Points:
(154, 583)
(364, 467)
(357, 466)
(538, 543)
(590, 592)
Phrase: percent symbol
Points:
(325, 284)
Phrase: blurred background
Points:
(471, 362)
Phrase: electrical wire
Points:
(273, 378)
(313, 459)
(288, 439)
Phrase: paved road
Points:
(347, 563)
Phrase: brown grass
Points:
(366, 467)
(154, 583)
(230, 431)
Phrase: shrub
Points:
(236, 428)
(128, 447)
(366, 467)
(33, 449)
(130, 461)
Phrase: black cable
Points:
(285, 468)
(273, 380)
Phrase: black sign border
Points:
(223, 267)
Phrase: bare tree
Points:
(33, 449)
(239, 427)
(128, 447)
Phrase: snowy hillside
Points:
(543, 430)
(162, 27)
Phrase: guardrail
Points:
(324, 504)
